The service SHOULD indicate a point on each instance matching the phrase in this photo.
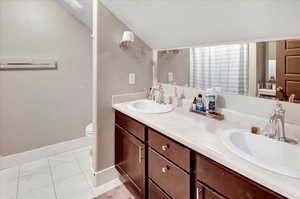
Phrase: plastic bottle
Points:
(200, 104)
(210, 98)
(194, 106)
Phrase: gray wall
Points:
(114, 66)
(179, 64)
(39, 108)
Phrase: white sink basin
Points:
(148, 106)
(267, 153)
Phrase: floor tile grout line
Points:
(87, 180)
(52, 179)
(18, 181)
(82, 171)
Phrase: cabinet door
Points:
(130, 160)
(288, 69)
(155, 192)
(203, 192)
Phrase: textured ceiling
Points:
(182, 23)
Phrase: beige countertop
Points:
(203, 135)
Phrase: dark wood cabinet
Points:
(130, 160)
(174, 181)
(172, 150)
(155, 192)
(229, 183)
(134, 127)
(157, 167)
(203, 192)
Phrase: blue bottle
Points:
(200, 104)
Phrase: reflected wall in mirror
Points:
(269, 69)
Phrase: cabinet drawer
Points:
(229, 183)
(155, 192)
(291, 44)
(203, 192)
(170, 149)
(131, 125)
(174, 181)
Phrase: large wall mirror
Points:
(269, 69)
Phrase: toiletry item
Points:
(179, 102)
(199, 103)
(168, 99)
(180, 93)
(148, 93)
(177, 97)
(255, 130)
(194, 105)
(210, 99)
(174, 92)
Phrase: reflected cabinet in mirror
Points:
(268, 69)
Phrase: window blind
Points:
(224, 66)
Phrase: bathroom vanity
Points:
(157, 165)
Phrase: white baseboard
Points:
(102, 177)
(36, 154)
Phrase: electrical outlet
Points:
(131, 78)
(170, 76)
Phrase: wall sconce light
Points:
(128, 37)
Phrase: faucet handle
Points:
(159, 86)
(279, 108)
(147, 92)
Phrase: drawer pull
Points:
(141, 154)
(165, 169)
(198, 191)
(165, 147)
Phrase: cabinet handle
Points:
(140, 154)
(165, 147)
(165, 169)
(198, 191)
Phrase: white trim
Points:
(106, 175)
(95, 82)
(36, 154)
(95, 64)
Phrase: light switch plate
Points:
(131, 78)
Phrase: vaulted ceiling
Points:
(80, 9)
(182, 23)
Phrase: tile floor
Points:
(119, 192)
(64, 176)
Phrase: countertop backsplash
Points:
(244, 104)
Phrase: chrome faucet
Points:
(277, 123)
(156, 94)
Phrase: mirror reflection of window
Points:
(223, 66)
(271, 69)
